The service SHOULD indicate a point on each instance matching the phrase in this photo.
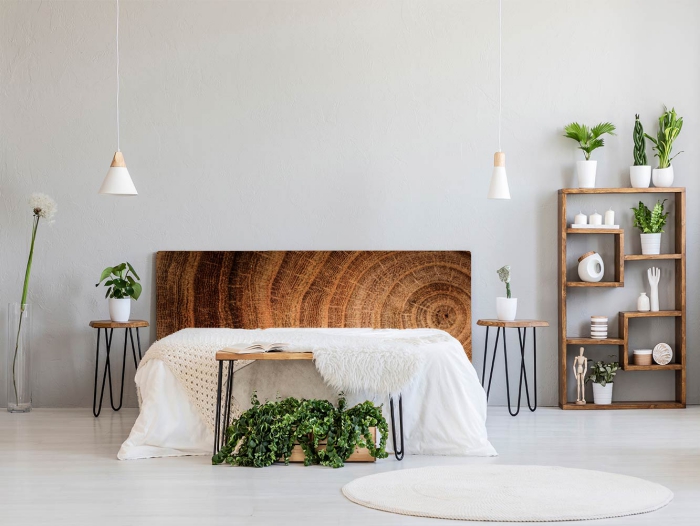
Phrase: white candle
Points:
(610, 217)
(595, 219)
(580, 219)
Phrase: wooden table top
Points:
(109, 324)
(514, 323)
(231, 354)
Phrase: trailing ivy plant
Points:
(650, 221)
(588, 139)
(640, 145)
(120, 283)
(670, 126)
(603, 373)
(266, 433)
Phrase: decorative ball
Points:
(663, 354)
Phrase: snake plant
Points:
(640, 146)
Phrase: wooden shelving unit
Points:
(622, 342)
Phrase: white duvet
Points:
(444, 405)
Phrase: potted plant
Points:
(328, 435)
(640, 173)
(651, 223)
(506, 307)
(602, 376)
(122, 286)
(670, 125)
(588, 139)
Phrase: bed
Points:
(206, 299)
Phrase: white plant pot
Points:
(663, 177)
(585, 170)
(506, 308)
(651, 244)
(602, 395)
(640, 176)
(591, 267)
(119, 309)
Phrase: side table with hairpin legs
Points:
(522, 326)
(109, 327)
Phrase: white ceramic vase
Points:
(591, 267)
(506, 308)
(119, 309)
(585, 170)
(602, 395)
(663, 177)
(640, 176)
(643, 303)
(651, 244)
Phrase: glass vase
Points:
(19, 378)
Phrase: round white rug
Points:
(507, 493)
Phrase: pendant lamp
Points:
(118, 181)
(498, 189)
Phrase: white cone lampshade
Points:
(498, 189)
(118, 181)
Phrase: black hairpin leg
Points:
(227, 400)
(217, 422)
(523, 372)
(96, 410)
(486, 354)
(520, 386)
(493, 360)
(223, 408)
(107, 374)
(398, 453)
(121, 393)
(138, 340)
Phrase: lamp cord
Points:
(118, 149)
(500, 68)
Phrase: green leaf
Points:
(602, 129)
(133, 271)
(105, 274)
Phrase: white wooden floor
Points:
(60, 467)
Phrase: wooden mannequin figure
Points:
(580, 369)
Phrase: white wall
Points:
(324, 125)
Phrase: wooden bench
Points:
(223, 415)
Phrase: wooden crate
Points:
(360, 454)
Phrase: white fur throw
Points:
(378, 362)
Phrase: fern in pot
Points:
(640, 173)
(670, 125)
(602, 375)
(507, 307)
(588, 139)
(122, 285)
(651, 223)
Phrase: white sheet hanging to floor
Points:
(444, 404)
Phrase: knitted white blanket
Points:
(379, 363)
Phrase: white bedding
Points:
(444, 406)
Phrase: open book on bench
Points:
(258, 347)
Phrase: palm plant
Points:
(588, 139)
(670, 125)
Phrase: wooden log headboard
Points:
(377, 289)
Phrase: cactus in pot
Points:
(507, 307)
